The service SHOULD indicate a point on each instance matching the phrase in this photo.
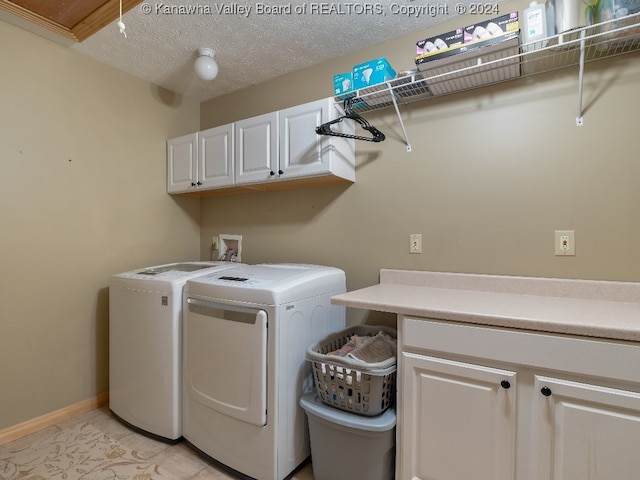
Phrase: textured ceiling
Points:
(251, 45)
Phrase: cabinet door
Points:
(458, 420)
(301, 152)
(215, 156)
(182, 163)
(304, 153)
(586, 431)
(257, 148)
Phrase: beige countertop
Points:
(578, 307)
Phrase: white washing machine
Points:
(145, 345)
(246, 333)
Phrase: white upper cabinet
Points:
(200, 161)
(182, 163)
(215, 157)
(257, 148)
(270, 151)
(305, 153)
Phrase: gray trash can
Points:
(347, 446)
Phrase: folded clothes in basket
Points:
(354, 342)
(372, 349)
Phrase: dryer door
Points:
(225, 350)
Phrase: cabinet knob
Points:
(280, 172)
(199, 183)
(505, 384)
(546, 391)
(272, 173)
(193, 184)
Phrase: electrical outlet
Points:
(214, 242)
(415, 243)
(565, 241)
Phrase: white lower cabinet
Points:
(586, 431)
(487, 403)
(460, 419)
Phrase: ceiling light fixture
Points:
(206, 66)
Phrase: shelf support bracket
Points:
(579, 120)
(395, 105)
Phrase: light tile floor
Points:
(179, 460)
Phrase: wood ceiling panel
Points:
(75, 19)
(66, 13)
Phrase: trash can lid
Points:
(312, 404)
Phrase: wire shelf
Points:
(502, 62)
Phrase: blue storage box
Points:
(343, 85)
(372, 73)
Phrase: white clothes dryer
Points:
(246, 333)
(145, 345)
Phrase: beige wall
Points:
(492, 174)
(82, 196)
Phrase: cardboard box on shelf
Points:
(474, 67)
(429, 47)
(478, 35)
(492, 31)
(372, 73)
(343, 85)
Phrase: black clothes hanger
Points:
(325, 128)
